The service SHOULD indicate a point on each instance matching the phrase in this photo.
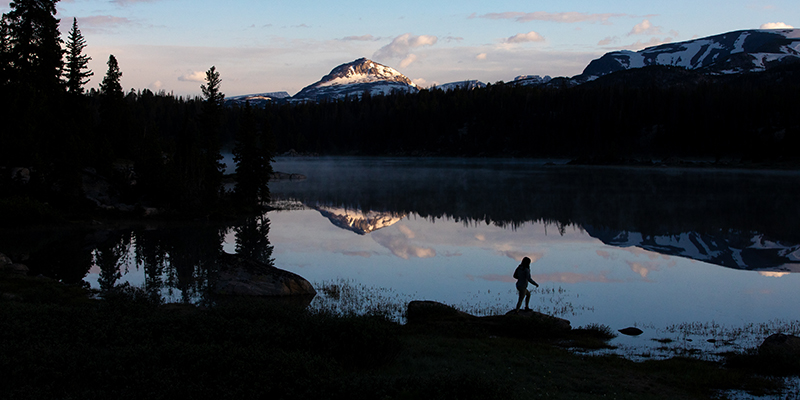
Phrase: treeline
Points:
(145, 149)
(653, 112)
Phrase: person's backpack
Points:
(517, 272)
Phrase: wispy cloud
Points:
(776, 25)
(129, 2)
(101, 23)
(525, 37)
(362, 38)
(562, 17)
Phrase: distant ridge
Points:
(727, 53)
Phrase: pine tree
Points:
(77, 73)
(253, 162)
(33, 44)
(211, 93)
(110, 87)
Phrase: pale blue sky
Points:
(261, 46)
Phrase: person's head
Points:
(526, 261)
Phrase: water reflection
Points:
(736, 219)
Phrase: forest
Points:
(161, 150)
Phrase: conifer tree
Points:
(110, 87)
(77, 73)
(33, 44)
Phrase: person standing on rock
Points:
(523, 275)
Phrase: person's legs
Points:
(527, 300)
(521, 295)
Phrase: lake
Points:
(686, 254)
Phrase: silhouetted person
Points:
(523, 275)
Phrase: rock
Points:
(631, 331)
(242, 277)
(558, 323)
(430, 311)
(780, 345)
(4, 260)
(16, 268)
(280, 176)
(525, 324)
(20, 174)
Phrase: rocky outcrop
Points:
(242, 277)
(780, 345)
(525, 324)
(6, 265)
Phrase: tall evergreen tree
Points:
(210, 144)
(77, 72)
(35, 56)
(110, 87)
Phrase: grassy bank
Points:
(54, 343)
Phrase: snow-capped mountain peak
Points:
(355, 78)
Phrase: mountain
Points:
(531, 80)
(737, 250)
(259, 99)
(358, 221)
(728, 53)
(355, 78)
(469, 85)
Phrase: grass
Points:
(59, 344)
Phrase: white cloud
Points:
(639, 45)
(481, 56)
(402, 46)
(645, 28)
(194, 76)
(563, 17)
(525, 37)
(408, 60)
(776, 25)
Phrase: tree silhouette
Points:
(33, 44)
(110, 87)
(77, 72)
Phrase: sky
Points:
(266, 46)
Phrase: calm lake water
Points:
(685, 254)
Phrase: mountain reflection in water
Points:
(733, 218)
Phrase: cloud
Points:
(194, 76)
(400, 246)
(776, 25)
(563, 17)
(362, 38)
(525, 37)
(408, 60)
(100, 23)
(518, 255)
(771, 274)
(401, 46)
(129, 2)
(481, 56)
(608, 40)
(645, 28)
(572, 277)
